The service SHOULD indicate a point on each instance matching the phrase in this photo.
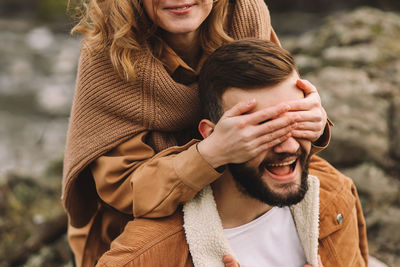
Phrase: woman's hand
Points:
(240, 136)
(230, 261)
(308, 265)
(311, 116)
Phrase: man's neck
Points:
(234, 207)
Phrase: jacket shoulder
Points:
(149, 242)
(332, 182)
(342, 231)
(338, 196)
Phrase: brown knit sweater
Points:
(108, 110)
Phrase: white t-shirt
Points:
(269, 240)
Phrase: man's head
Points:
(257, 69)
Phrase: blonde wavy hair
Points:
(121, 27)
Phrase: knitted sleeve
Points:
(103, 114)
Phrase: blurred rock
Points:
(354, 55)
(354, 61)
(395, 124)
(376, 188)
(40, 38)
(27, 203)
(326, 6)
(380, 197)
(361, 132)
(37, 78)
(39, 61)
(383, 229)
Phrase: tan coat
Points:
(162, 242)
(133, 124)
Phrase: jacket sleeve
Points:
(156, 242)
(134, 180)
(323, 140)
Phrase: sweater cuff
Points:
(324, 139)
(193, 170)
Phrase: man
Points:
(266, 212)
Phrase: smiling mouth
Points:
(180, 7)
(282, 168)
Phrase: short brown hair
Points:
(245, 64)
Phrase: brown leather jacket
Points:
(342, 231)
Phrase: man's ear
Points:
(206, 127)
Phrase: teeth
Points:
(181, 8)
(282, 164)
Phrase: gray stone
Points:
(395, 127)
(40, 38)
(377, 188)
(383, 228)
(351, 56)
(361, 132)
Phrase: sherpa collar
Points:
(205, 235)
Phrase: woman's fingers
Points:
(306, 116)
(311, 116)
(311, 100)
(275, 128)
(240, 108)
(309, 125)
(320, 261)
(265, 145)
(306, 86)
(267, 114)
(308, 135)
(230, 261)
(308, 103)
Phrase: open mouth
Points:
(282, 168)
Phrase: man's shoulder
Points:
(338, 197)
(150, 242)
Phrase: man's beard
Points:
(249, 182)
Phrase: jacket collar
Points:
(206, 239)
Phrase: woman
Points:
(130, 148)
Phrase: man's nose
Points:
(290, 146)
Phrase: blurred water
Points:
(37, 76)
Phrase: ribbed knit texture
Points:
(108, 110)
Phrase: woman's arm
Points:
(134, 180)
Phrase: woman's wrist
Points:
(208, 152)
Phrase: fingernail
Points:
(300, 81)
(251, 101)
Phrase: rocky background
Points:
(351, 53)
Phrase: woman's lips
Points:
(180, 9)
